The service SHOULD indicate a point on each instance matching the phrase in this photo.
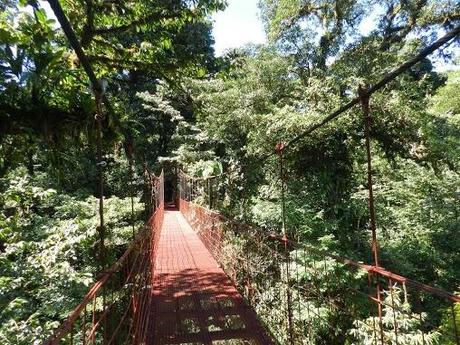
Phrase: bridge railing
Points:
(115, 310)
(307, 296)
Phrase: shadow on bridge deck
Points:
(194, 302)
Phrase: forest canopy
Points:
(178, 105)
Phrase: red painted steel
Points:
(200, 279)
(122, 315)
(179, 279)
(255, 259)
(194, 301)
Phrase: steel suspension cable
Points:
(368, 92)
(371, 90)
(364, 100)
(100, 164)
(98, 90)
(99, 98)
(133, 190)
(132, 173)
(75, 44)
(290, 329)
(374, 88)
(60, 15)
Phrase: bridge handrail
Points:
(181, 172)
(98, 285)
(211, 226)
(366, 267)
(143, 240)
(374, 269)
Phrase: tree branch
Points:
(130, 64)
(142, 21)
(88, 28)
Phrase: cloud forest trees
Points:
(131, 44)
(47, 140)
(316, 32)
(174, 99)
(315, 62)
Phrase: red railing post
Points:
(364, 99)
(93, 334)
(133, 274)
(84, 327)
(204, 222)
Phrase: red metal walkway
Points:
(194, 301)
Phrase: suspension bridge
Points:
(193, 276)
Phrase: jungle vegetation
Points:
(175, 103)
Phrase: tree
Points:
(48, 216)
(316, 32)
(396, 315)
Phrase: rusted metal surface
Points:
(100, 166)
(202, 282)
(368, 268)
(242, 251)
(254, 259)
(282, 176)
(364, 99)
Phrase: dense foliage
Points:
(176, 105)
(48, 173)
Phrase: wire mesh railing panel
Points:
(307, 296)
(116, 309)
(202, 191)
